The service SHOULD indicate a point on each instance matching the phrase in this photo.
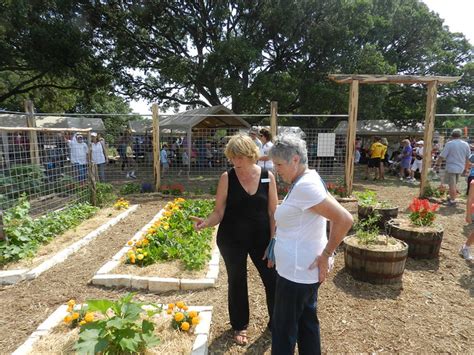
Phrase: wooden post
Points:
(92, 171)
(351, 134)
(2, 232)
(156, 147)
(428, 137)
(32, 135)
(273, 118)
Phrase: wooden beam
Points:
(32, 136)
(44, 129)
(391, 79)
(428, 137)
(156, 147)
(273, 118)
(351, 134)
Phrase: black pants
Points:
(235, 259)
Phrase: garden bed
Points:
(161, 276)
(53, 336)
(69, 242)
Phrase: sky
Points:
(457, 15)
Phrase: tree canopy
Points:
(245, 53)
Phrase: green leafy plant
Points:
(367, 229)
(174, 237)
(22, 179)
(173, 189)
(130, 188)
(126, 327)
(24, 235)
(438, 192)
(366, 198)
(104, 194)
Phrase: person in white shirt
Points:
(303, 251)
(264, 160)
(98, 155)
(418, 161)
(79, 150)
(253, 133)
(165, 163)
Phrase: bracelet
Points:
(326, 253)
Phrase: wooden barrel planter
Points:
(377, 264)
(423, 242)
(386, 214)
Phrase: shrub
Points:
(174, 189)
(130, 188)
(104, 194)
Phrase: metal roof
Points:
(11, 120)
(380, 127)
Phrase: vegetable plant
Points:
(367, 198)
(126, 327)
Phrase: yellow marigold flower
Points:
(166, 226)
(68, 319)
(132, 260)
(75, 315)
(170, 305)
(180, 304)
(157, 223)
(145, 242)
(82, 322)
(140, 250)
(178, 316)
(185, 307)
(140, 256)
(185, 326)
(70, 308)
(138, 243)
(130, 242)
(89, 317)
(179, 200)
(145, 254)
(130, 252)
(71, 303)
(193, 314)
(195, 321)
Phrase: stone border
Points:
(10, 277)
(200, 345)
(103, 277)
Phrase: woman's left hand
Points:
(324, 264)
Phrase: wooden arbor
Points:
(432, 83)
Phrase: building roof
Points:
(13, 120)
(380, 127)
(199, 118)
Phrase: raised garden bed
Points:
(69, 242)
(122, 270)
(55, 336)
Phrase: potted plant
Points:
(419, 231)
(374, 257)
(339, 191)
(368, 205)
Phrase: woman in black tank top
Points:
(245, 202)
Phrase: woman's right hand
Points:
(199, 223)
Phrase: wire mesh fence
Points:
(54, 167)
(50, 167)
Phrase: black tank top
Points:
(246, 220)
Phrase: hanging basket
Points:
(378, 264)
(424, 242)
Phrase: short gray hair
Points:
(288, 145)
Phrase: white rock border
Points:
(10, 277)
(104, 277)
(200, 345)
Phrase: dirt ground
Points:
(431, 311)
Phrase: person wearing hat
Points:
(456, 153)
(417, 162)
(253, 133)
(78, 149)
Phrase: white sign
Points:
(326, 144)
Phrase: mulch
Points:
(430, 311)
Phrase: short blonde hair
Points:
(241, 145)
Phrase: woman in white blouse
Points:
(98, 156)
(303, 251)
(264, 160)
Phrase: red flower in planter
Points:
(422, 212)
(337, 189)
